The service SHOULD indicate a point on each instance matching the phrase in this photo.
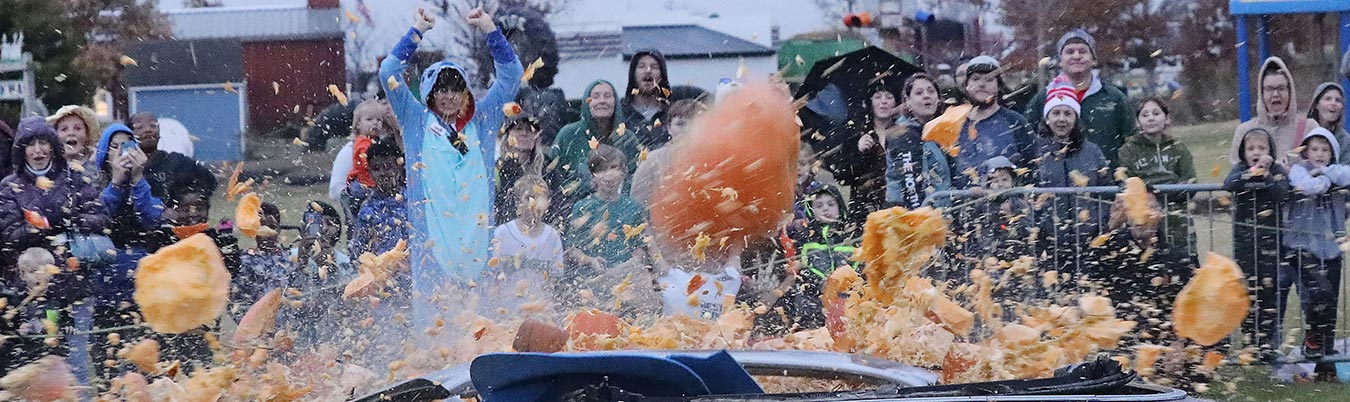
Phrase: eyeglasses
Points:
(1278, 88)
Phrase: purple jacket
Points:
(71, 205)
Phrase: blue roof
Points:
(688, 41)
(1252, 7)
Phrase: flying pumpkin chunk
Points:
(248, 216)
(749, 144)
(182, 286)
(944, 129)
(1213, 303)
(1136, 198)
(187, 231)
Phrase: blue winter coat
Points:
(136, 226)
(448, 164)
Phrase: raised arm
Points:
(408, 109)
(505, 80)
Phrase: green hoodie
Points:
(572, 147)
(1163, 162)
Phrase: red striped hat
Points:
(1061, 92)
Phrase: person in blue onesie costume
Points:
(450, 140)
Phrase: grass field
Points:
(1209, 145)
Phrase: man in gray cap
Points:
(1107, 116)
(990, 130)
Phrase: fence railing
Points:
(1198, 219)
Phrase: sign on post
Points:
(13, 90)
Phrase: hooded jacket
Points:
(822, 248)
(914, 167)
(136, 224)
(136, 213)
(1164, 162)
(1338, 130)
(1258, 203)
(572, 147)
(450, 187)
(167, 173)
(1288, 129)
(1107, 118)
(1315, 217)
(651, 135)
(70, 205)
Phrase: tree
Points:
(53, 49)
(1120, 27)
(106, 26)
(1210, 78)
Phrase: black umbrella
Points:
(839, 90)
(854, 74)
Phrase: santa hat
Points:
(1061, 92)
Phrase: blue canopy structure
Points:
(1243, 10)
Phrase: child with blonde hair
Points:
(350, 183)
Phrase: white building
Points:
(696, 55)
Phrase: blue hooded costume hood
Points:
(449, 165)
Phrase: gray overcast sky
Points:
(792, 16)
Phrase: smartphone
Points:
(129, 145)
(313, 224)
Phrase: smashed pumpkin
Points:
(248, 215)
(182, 286)
(1213, 303)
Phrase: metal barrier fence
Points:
(1066, 221)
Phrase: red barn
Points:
(279, 59)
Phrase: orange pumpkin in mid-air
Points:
(248, 215)
(733, 174)
(183, 286)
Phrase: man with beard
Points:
(167, 172)
(990, 129)
(647, 98)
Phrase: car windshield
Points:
(522, 200)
